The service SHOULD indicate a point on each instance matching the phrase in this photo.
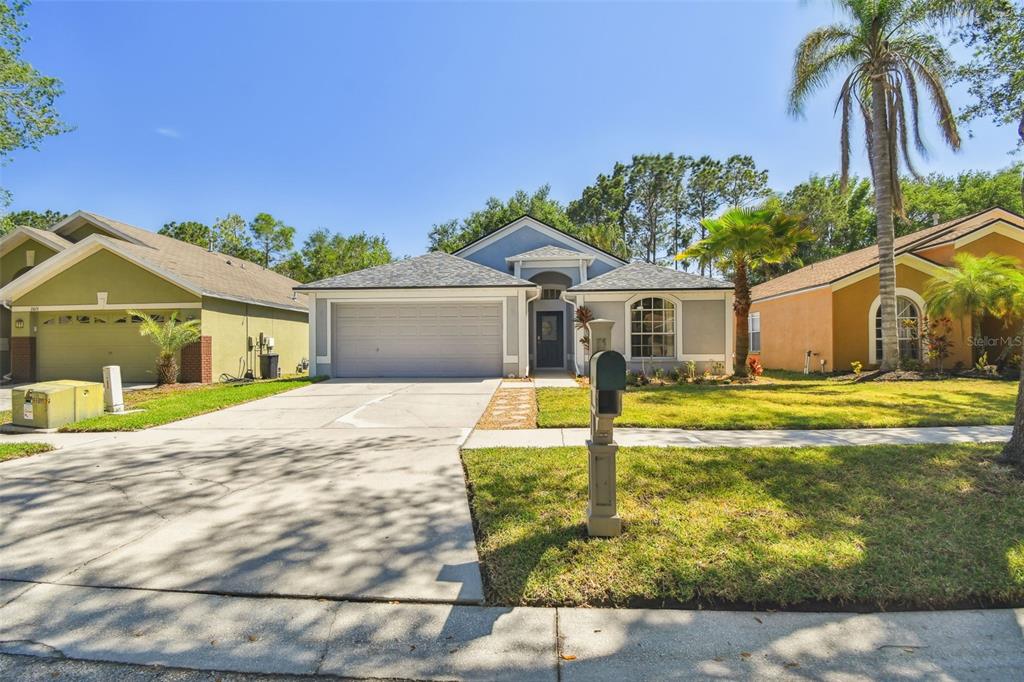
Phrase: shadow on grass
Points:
(817, 528)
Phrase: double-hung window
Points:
(652, 328)
(754, 329)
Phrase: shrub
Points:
(857, 366)
(937, 342)
(754, 366)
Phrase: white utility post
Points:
(113, 397)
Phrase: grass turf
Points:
(16, 450)
(899, 526)
(168, 404)
(789, 403)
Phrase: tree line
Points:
(264, 239)
(655, 207)
(271, 243)
(648, 209)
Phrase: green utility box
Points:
(88, 398)
(43, 406)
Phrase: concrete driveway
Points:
(345, 489)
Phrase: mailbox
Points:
(607, 382)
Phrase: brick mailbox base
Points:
(197, 361)
(23, 358)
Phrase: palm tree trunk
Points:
(1020, 134)
(883, 179)
(741, 307)
(975, 333)
(1014, 448)
(1013, 451)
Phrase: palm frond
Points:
(170, 335)
(910, 83)
(820, 54)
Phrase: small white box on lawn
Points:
(113, 397)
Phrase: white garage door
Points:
(455, 339)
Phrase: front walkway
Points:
(444, 641)
(549, 438)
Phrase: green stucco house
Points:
(65, 293)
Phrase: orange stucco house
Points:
(825, 316)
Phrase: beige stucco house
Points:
(65, 294)
(826, 316)
(505, 305)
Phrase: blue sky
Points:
(390, 117)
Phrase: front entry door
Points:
(550, 340)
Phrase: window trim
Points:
(668, 303)
(872, 354)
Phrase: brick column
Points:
(197, 361)
(23, 358)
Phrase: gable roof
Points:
(550, 252)
(649, 277)
(834, 269)
(207, 273)
(23, 232)
(523, 221)
(432, 270)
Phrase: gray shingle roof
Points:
(550, 251)
(648, 277)
(435, 269)
(215, 274)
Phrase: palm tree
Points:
(973, 287)
(170, 336)
(884, 53)
(740, 241)
(1010, 301)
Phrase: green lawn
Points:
(16, 450)
(917, 526)
(164, 405)
(789, 403)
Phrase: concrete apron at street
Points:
(342, 489)
(444, 641)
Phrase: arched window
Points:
(908, 323)
(652, 328)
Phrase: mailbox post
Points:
(607, 382)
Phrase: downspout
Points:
(579, 365)
(526, 316)
(6, 378)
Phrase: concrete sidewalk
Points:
(441, 641)
(549, 438)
